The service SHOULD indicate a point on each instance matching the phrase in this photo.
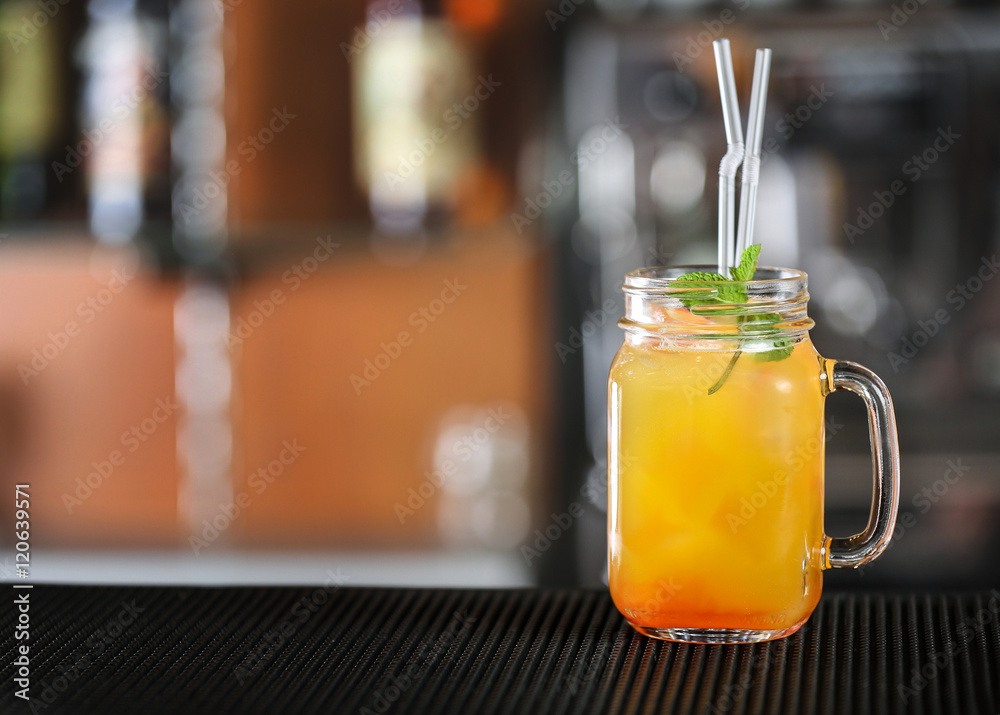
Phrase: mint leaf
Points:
(782, 349)
(748, 264)
(723, 290)
(727, 290)
(700, 276)
(763, 325)
(710, 282)
(730, 291)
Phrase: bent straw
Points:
(734, 154)
(751, 161)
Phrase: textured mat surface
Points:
(357, 650)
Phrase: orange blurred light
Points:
(474, 14)
(482, 196)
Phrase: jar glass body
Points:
(716, 437)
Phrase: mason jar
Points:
(716, 453)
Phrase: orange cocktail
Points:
(715, 456)
(716, 500)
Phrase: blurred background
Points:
(301, 291)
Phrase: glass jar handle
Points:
(854, 551)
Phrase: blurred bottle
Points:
(29, 108)
(417, 95)
(124, 117)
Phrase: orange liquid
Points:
(715, 501)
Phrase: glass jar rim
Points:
(774, 302)
(664, 279)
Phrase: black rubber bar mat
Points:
(365, 650)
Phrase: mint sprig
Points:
(748, 264)
(714, 288)
(718, 288)
(765, 325)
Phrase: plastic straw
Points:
(751, 161)
(734, 154)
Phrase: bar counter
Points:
(341, 649)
